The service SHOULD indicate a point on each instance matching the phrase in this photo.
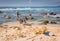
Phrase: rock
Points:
(1, 12)
(52, 22)
(8, 17)
(52, 13)
(57, 17)
(45, 22)
(15, 27)
(51, 34)
(37, 31)
(41, 30)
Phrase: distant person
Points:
(26, 18)
(30, 17)
(18, 15)
(24, 21)
(20, 21)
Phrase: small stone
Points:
(51, 34)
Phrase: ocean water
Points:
(36, 13)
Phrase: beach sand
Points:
(14, 31)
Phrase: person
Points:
(30, 17)
(24, 21)
(21, 21)
(26, 18)
(17, 15)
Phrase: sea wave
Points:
(3, 9)
(16, 9)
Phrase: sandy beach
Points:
(29, 20)
(13, 31)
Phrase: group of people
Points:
(21, 20)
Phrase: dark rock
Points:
(48, 34)
(57, 17)
(52, 22)
(45, 22)
(1, 12)
(52, 13)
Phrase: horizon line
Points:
(27, 6)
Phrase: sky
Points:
(30, 3)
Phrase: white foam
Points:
(16, 9)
